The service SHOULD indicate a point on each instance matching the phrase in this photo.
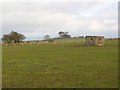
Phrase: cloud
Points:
(37, 19)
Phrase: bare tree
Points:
(46, 37)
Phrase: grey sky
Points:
(35, 19)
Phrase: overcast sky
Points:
(36, 19)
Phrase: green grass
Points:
(66, 65)
(69, 40)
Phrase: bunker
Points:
(94, 40)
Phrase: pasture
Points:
(68, 65)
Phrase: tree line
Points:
(15, 37)
(61, 35)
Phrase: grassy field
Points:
(69, 40)
(68, 65)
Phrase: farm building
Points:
(94, 40)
